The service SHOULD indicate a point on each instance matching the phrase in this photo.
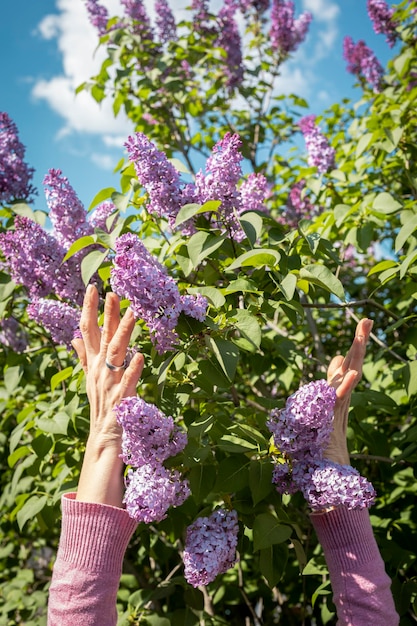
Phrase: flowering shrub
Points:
(247, 266)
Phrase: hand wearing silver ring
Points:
(116, 368)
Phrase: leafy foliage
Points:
(281, 302)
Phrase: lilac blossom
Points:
(286, 32)
(223, 171)
(298, 206)
(194, 306)
(98, 218)
(381, 16)
(152, 490)
(98, 15)
(229, 40)
(253, 192)
(149, 436)
(165, 21)
(210, 547)
(15, 175)
(305, 423)
(136, 10)
(66, 211)
(59, 318)
(12, 335)
(363, 62)
(330, 484)
(152, 293)
(320, 153)
(157, 175)
(260, 6)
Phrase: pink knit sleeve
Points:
(87, 571)
(361, 587)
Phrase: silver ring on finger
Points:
(116, 368)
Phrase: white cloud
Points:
(103, 161)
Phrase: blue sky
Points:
(47, 49)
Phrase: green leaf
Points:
(80, 244)
(272, 563)
(232, 474)
(385, 203)
(410, 378)
(30, 509)
(226, 353)
(190, 210)
(250, 333)
(202, 479)
(241, 284)
(201, 245)
(260, 480)
(406, 231)
(320, 275)
(258, 257)
(252, 224)
(382, 266)
(213, 295)
(231, 443)
(102, 195)
(57, 425)
(91, 263)
(120, 200)
(363, 143)
(268, 530)
(288, 285)
(59, 377)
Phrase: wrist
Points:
(101, 479)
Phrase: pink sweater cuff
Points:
(346, 537)
(94, 536)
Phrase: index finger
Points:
(88, 323)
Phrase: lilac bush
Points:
(210, 547)
(15, 174)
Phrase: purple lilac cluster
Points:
(98, 218)
(59, 318)
(66, 211)
(148, 434)
(153, 294)
(210, 547)
(167, 194)
(165, 21)
(301, 432)
(97, 15)
(229, 40)
(286, 32)
(149, 438)
(136, 11)
(320, 153)
(260, 6)
(12, 335)
(363, 62)
(15, 174)
(298, 206)
(381, 16)
(152, 490)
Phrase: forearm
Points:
(101, 478)
(361, 587)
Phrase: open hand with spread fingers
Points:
(102, 354)
(343, 374)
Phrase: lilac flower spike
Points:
(298, 206)
(12, 335)
(381, 16)
(286, 32)
(66, 211)
(15, 175)
(363, 62)
(210, 547)
(98, 15)
(157, 175)
(301, 432)
(229, 40)
(59, 318)
(320, 153)
(306, 421)
(165, 21)
(152, 490)
(136, 10)
(153, 294)
(149, 436)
